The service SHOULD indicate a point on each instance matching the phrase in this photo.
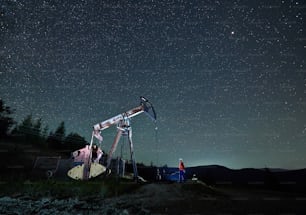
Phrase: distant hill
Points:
(288, 180)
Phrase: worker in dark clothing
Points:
(96, 154)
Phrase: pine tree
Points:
(37, 128)
(25, 127)
(55, 140)
(45, 132)
(60, 132)
(6, 121)
(74, 141)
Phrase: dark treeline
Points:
(31, 131)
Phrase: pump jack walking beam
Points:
(144, 106)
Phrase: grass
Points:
(66, 189)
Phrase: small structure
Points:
(194, 178)
(46, 166)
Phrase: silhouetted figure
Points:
(96, 154)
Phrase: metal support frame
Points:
(123, 129)
(132, 153)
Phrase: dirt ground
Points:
(159, 198)
(200, 199)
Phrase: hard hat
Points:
(181, 159)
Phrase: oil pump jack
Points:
(84, 167)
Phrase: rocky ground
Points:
(188, 198)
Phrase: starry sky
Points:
(227, 78)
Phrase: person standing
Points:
(181, 171)
(96, 154)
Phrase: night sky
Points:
(227, 78)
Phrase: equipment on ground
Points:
(85, 168)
